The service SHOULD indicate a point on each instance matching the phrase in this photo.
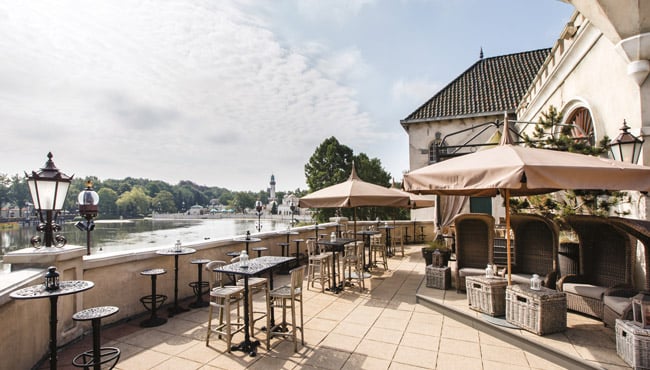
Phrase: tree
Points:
(331, 164)
(550, 134)
(134, 203)
(107, 203)
(164, 202)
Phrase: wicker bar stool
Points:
(222, 298)
(288, 297)
(318, 267)
(99, 355)
(154, 301)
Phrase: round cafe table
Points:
(38, 291)
(247, 240)
(176, 309)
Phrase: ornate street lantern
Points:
(258, 208)
(626, 147)
(88, 208)
(51, 279)
(48, 189)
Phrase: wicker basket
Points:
(486, 295)
(633, 344)
(438, 277)
(538, 311)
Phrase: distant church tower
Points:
(272, 189)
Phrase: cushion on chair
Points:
(520, 278)
(617, 304)
(585, 290)
(469, 271)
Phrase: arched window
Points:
(437, 149)
(581, 118)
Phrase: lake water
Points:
(119, 235)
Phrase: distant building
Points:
(272, 190)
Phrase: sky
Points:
(226, 93)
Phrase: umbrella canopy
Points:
(525, 171)
(516, 171)
(355, 193)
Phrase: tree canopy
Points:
(331, 164)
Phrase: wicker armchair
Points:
(619, 305)
(474, 245)
(606, 263)
(537, 239)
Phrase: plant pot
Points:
(427, 254)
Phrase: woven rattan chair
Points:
(474, 245)
(537, 239)
(606, 264)
(618, 304)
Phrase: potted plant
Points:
(437, 245)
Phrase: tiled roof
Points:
(491, 85)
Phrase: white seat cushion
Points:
(585, 290)
(617, 304)
(469, 271)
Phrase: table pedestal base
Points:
(153, 321)
(249, 347)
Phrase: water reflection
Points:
(119, 235)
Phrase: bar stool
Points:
(318, 267)
(199, 287)
(154, 301)
(259, 250)
(221, 298)
(255, 285)
(287, 298)
(353, 262)
(98, 356)
(378, 248)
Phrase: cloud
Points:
(414, 91)
(158, 85)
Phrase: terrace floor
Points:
(398, 323)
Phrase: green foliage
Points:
(550, 134)
(331, 164)
(131, 193)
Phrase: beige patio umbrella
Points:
(355, 193)
(515, 171)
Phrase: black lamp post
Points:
(88, 208)
(258, 208)
(292, 207)
(48, 189)
(626, 147)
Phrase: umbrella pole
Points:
(508, 254)
(354, 211)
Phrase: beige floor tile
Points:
(448, 361)
(373, 348)
(199, 352)
(351, 329)
(494, 365)
(460, 347)
(415, 356)
(142, 360)
(320, 324)
(503, 355)
(340, 342)
(384, 335)
(362, 362)
(326, 358)
(266, 362)
(420, 341)
(175, 363)
(464, 333)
